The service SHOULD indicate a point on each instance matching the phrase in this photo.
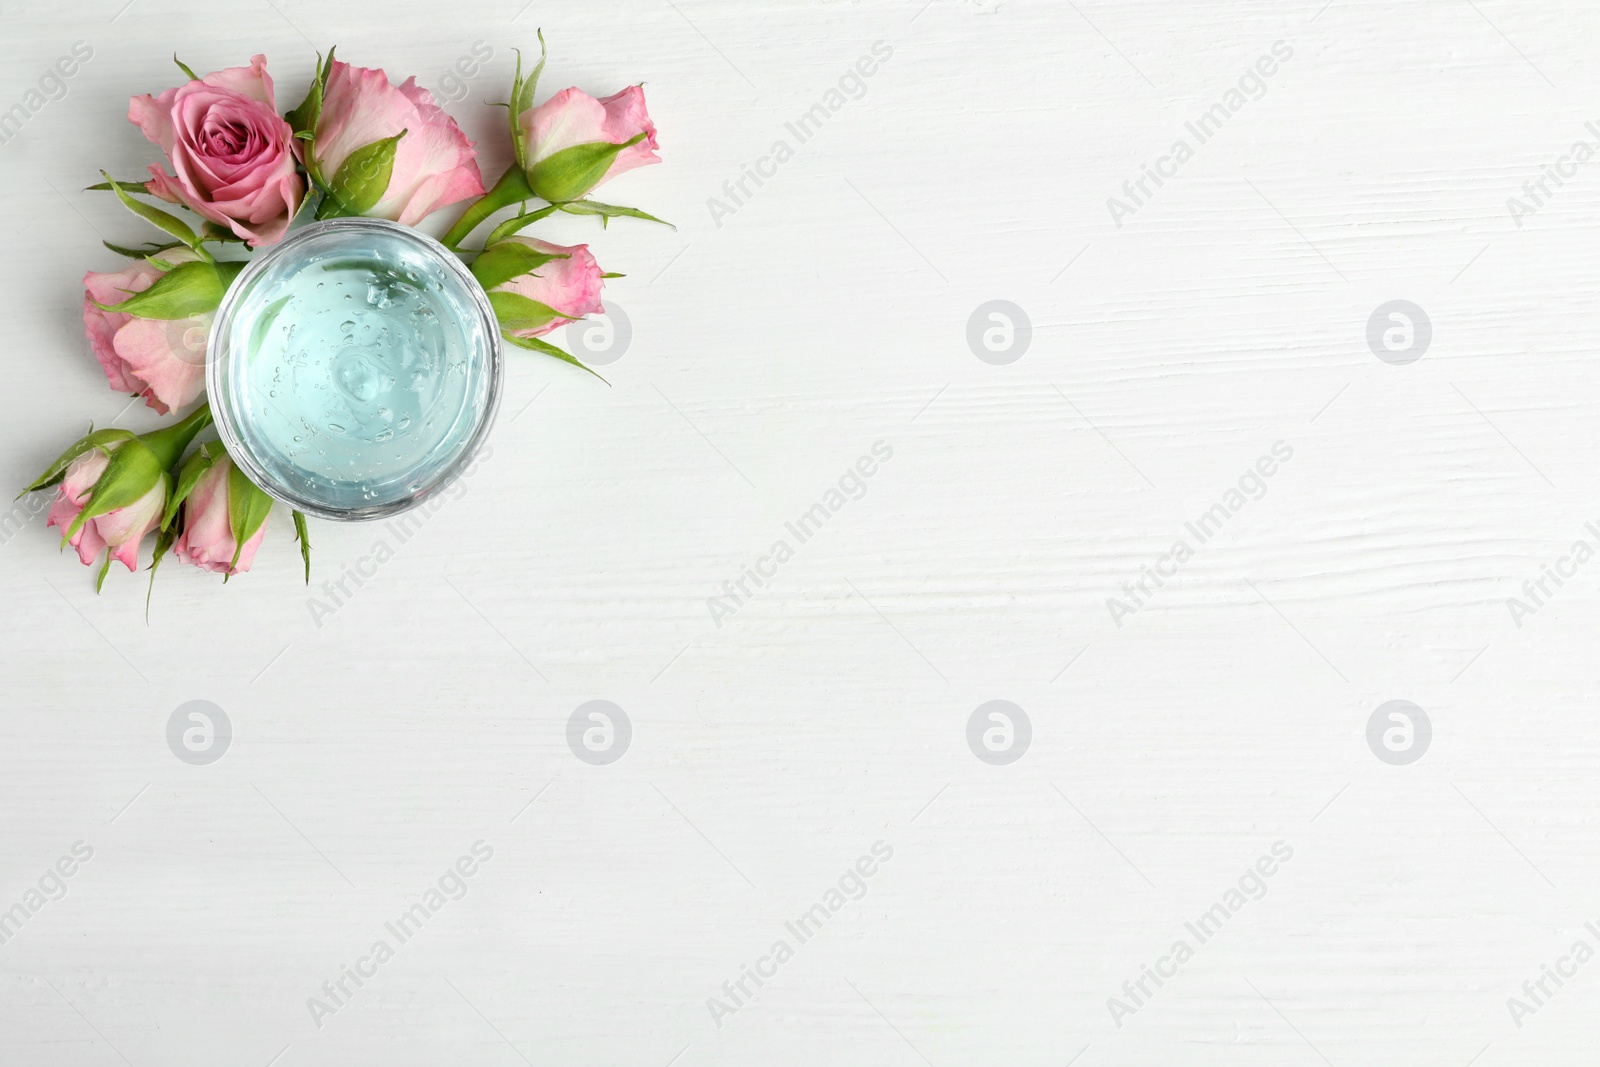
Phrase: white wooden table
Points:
(1175, 739)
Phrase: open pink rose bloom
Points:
(434, 163)
(232, 154)
(162, 360)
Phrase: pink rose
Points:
(162, 360)
(120, 529)
(434, 163)
(573, 117)
(568, 287)
(231, 152)
(207, 538)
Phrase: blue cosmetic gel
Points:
(357, 367)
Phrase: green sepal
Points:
(247, 510)
(612, 274)
(573, 171)
(517, 312)
(185, 68)
(512, 187)
(100, 579)
(518, 223)
(522, 92)
(155, 216)
(151, 248)
(210, 231)
(100, 439)
(187, 289)
(165, 539)
(534, 344)
(607, 212)
(110, 184)
(194, 467)
(170, 442)
(303, 119)
(132, 471)
(304, 538)
(362, 178)
(502, 262)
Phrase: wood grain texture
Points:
(773, 746)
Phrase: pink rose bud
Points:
(114, 488)
(162, 360)
(537, 287)
(224, 514)
(120, 529)
(388, 151)
(232, 154)
(573, 143)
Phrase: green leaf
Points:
(518, 223)
(187, 289)
(612, 274)
(305, 541)
(517, 312)
(534, 344)
(247, 510)
(522, 93)
(512, 187)
(193, 468)
(93, 439)
(499, 263)
(364, 175)
(185, 68)
(161, 219)
(608, 212)
(573, 171)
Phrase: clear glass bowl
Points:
(354, 369)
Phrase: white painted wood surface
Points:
(827, 313)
